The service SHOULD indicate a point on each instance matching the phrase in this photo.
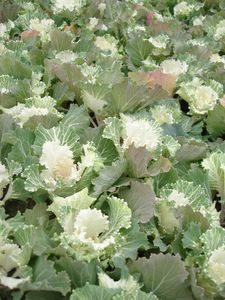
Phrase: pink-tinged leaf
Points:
(166, 81)
(169, 27)
(140, 77)
(222, 101)
(149, 18)
(162, 165)
(29, 34)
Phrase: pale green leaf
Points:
(67, 135)
(112, 131)
(214, 238)
(119, 216)
(215, 165)
(94, 97)
(191, 236)
(33, 181)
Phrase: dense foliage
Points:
(112, 173)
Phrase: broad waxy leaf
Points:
(164, 275)
(112, 178)
(140, 198)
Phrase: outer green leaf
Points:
(125, 97)
(215, 121)
(80, 272)
(195, 195)
(191, 236)
(133, 239)
(108, 176)
(105, 147)
(77, 117)
(22, 151)
(191, 150)
(140, 198)
(45, 278)
(61, 40)
(43, 295)
(93, 292)
(13, 67)
(138, 50)
(164, 275)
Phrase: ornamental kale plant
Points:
(112, 152)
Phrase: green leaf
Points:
(68, 73)
(77, 118)
(191, 150)
(133, 239)
(138, 296)
(191, 236)
(164, 275)
(104, 146)
(140, 199)
(112, 72)
(13, 67)
(171, 145)
(138, 50)
(108, 176)
(80, 272)
(45, 278)
(43, 295)
(14, 167)
(199, 177)
(93, 292)
(35, 237)
(125, 97)
(6, 124)
(215, 121)
(37, 216)
(21, 150)
(61, 40)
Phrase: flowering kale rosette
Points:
(112, 153)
